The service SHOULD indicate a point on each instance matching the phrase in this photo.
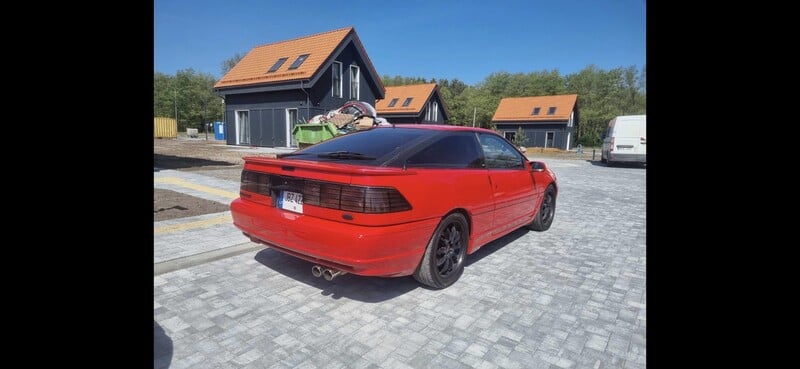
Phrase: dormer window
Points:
(300, 59)
(277, 65)
(551, 110)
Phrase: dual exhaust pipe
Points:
(328, 273)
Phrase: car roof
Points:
(440, 127)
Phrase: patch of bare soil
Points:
(193, 154)
(171, 205)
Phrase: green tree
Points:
(520, 139)
(189, 93)
(231, 62)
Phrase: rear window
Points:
(378, 143)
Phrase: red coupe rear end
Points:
(394, 201)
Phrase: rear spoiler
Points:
(262, 163)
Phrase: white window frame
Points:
(355, 81)
(289, 127)
(336, 88)
(236, 117)
(428, 112)
(435, 113)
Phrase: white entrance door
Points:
(242, 127)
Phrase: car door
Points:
(512, 184)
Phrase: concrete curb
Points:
(202, 258)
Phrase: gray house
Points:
(546, 121)
(278, 85)
(416, 104)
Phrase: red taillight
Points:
(611, 145)
(359, 199)
(255, 182)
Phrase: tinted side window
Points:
(500, 154)
(453, 151)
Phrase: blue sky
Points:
(450, 39)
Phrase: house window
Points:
(435, 113)
(277, 65)
(337, 80)
(510, 135)
(548, 142)
(242, 127)
(551, 110)
(300, 59)
(536, 110)
(428, 112)
(408, 101)
(393, 102)
(354, 82)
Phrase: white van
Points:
(625, 140)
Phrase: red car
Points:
(394, 201)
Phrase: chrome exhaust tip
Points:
(316, 271)
(330, 274)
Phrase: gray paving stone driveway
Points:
(571, 297)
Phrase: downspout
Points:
(308, 100)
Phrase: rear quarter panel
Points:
(433, 193)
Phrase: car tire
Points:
(547, 210)
(603, 159)
(443, 261)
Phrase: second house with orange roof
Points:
(420, 104)
(546, 121)
(278, 85)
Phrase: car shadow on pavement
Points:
(495, 245)
(350, 286)
(619, 165)
(162, 348)
(179, 162)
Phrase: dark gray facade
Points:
(537, 134)
(257, 115)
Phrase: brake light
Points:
(255, 182)
(611, 145)
(359, 199)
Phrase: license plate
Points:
(292, 201)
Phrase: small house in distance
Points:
(414, 104)
(280, 84)
(546, 121)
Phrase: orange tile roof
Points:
(521, 108)
(253, 67)
(419, 93)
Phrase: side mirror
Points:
(538, 166)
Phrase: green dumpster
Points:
(311, 133)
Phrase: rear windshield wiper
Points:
(345, 155)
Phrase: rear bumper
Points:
(387, 251)
(637, 158)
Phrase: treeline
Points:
(191, 93)
(602, 95)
